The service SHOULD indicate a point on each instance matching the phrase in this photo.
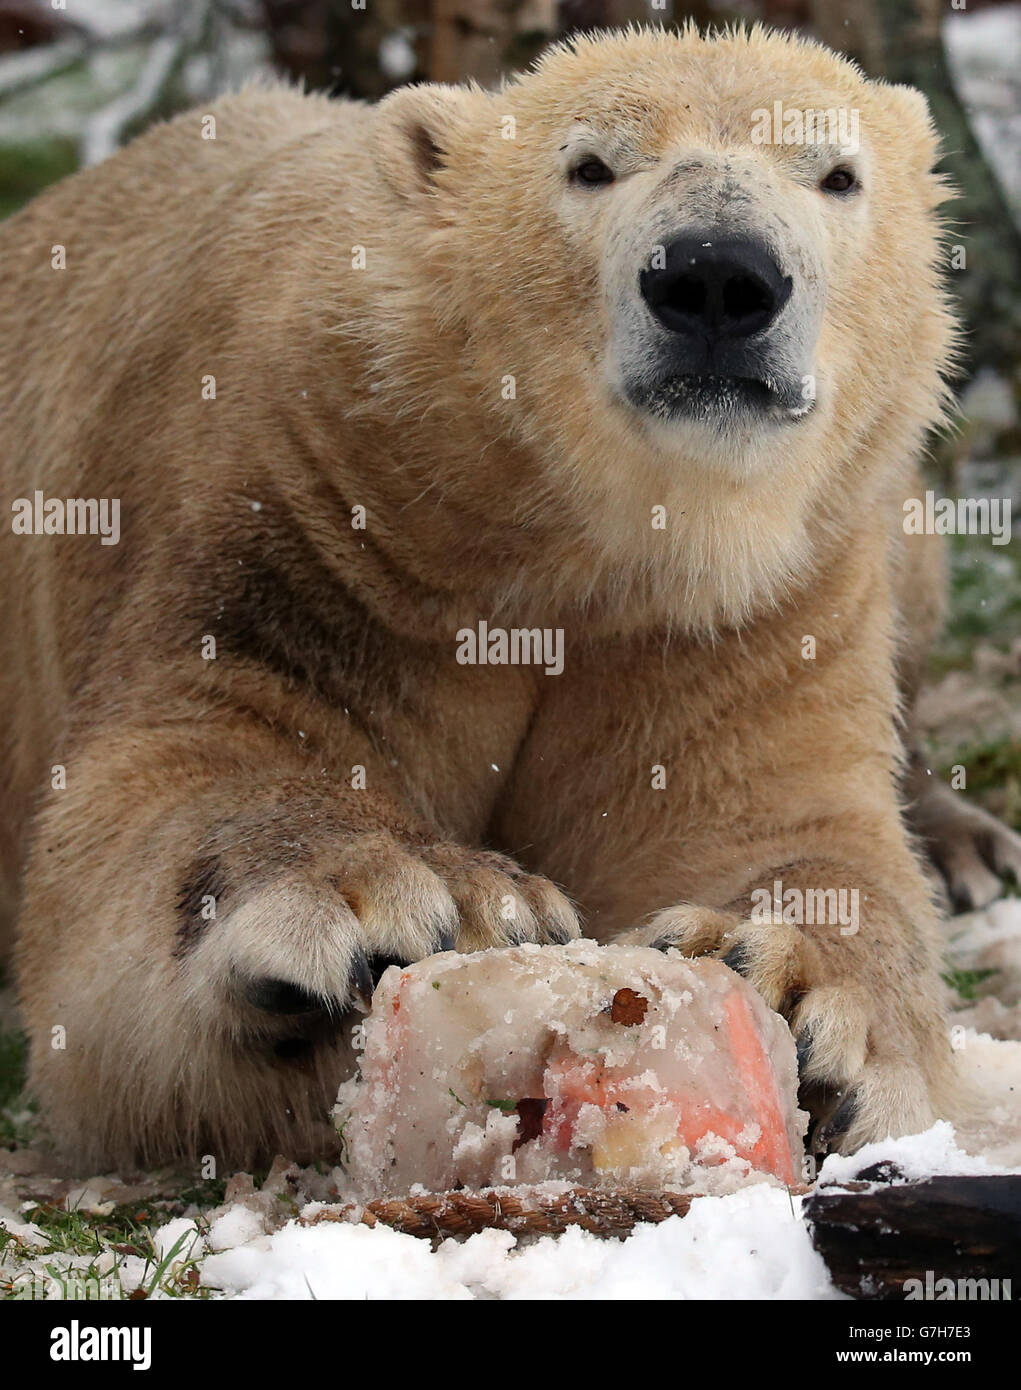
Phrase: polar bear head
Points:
(703, 264)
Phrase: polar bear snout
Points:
(713, 291)
(720, 330)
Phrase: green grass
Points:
(76, 1241)
(86, 1237)
(966, 982)
(204, 1194)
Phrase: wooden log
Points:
(875, 1238)
(602, 1212)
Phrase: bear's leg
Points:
(202, 910)
(972, 849)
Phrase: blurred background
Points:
(79, 77)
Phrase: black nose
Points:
(715, 288)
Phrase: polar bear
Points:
(509, 490)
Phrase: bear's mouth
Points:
(719, 400)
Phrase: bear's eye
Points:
(839, 181)
(591, 172)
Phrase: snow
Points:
(27, 1232)
(322, 1262)
(181, 1233)
(237, 1226)
(752, 1244)
(937, 1150)
(397, 55)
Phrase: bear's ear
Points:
(913, 121)
(414, 129)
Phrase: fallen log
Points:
(523, 1211)
(958, 1237)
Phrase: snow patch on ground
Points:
(751, 1244)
